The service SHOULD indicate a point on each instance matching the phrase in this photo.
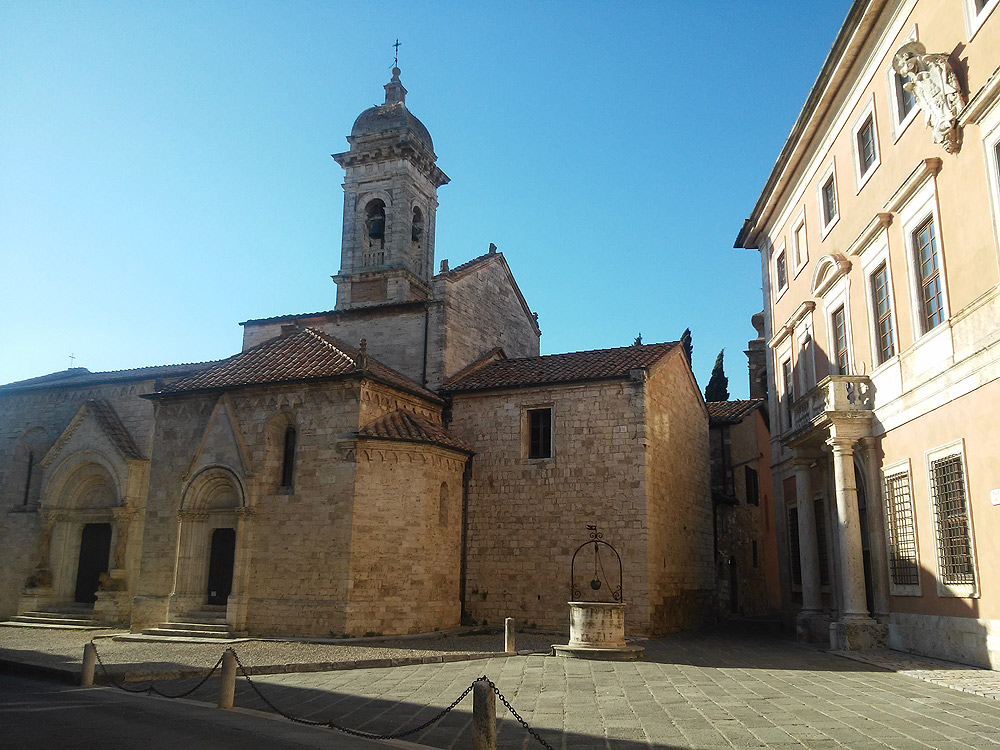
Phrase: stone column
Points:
(854, 629)
(852, 573)
(808, 550)
(876, 531)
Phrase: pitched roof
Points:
(403, 426)
(731, 412)
(79, 376)
(599, 364)
(306, 354)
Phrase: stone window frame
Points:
(894, 92)
(785, 382)
(526, 410)
(828, 178)
(836, 297)
(921, 207)
(890, 472)
(800, 251)
(975, 16)
(874, 259)
(990, 126)
(867, 115)
(955, 449)
(780, 288)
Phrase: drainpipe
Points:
(466, 476)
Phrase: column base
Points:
(812, 626)
(857, 634)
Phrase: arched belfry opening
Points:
(391, 181)
(374, 230)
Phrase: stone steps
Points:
(70, 618)
(208, 622)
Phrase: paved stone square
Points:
(693, 690)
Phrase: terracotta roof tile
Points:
(404, 426)
(77, 376)
(599, 364)
(306, 354)
(731, 412)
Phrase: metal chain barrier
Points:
(515, 714)
(151, 688)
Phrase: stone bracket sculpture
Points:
(936, 89)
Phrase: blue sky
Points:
(165, 167)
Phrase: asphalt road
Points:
(39, 715)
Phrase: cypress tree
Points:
(718, 385)
(686, 343)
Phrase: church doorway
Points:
(220, 565)
(95, 552)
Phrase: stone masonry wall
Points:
(406, 539)
(34, 420)
(295, 554)
(678, 496)
(527, 516)
(482, 310)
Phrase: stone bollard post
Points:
(227, 690)
(508, 636)
(89, 663)
(484, 716)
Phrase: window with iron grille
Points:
(824, 562)
(929, 274)
(793, 546)
(883, 313)
(951, 517)
(903, 566)
(539, 433)
(839, 321)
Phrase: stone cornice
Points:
(924, 171)
(788, 328)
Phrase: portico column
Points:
(808, 549)
(876, 531)
(852, 573)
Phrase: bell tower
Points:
(390, 206)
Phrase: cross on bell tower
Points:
(390, 205)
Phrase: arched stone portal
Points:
(83, 524)
(212, 539)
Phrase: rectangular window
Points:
(929, 274)
(753, 488)
(753, 551)
(786, 379)
(839, 323)
(901, 532)
(781, 271)
(866, 145)
(540, 433)
(828, 201)
(951, 520)
(904, 99)
(799, 245)
(884, 333)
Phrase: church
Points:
(403, 463)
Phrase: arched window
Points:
(288, 457)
